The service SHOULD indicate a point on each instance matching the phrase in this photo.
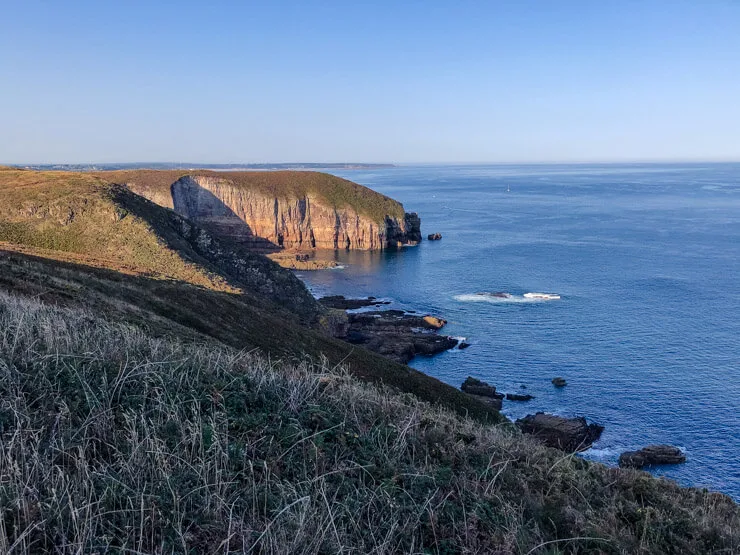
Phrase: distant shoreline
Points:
(194, 166)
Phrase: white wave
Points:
(338, 267)
(484, 298)
(604, 454)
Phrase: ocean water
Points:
(646, 259)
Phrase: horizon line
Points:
(414, 163)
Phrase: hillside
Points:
(113, 441)
(163, 390)
(77, 240)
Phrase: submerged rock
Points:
(652, 455)
(519, 396)
(559, 382)
(566, 434)
(343, 303)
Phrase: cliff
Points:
(274, 210)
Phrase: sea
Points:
(646, 261)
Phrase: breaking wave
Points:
(501, 299)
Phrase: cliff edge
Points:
(268, 211)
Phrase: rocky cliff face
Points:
(271, 222)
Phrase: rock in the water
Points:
(652, 455)
(479, 388)
(567, 434)
(434, 236)
(519, 397)
(398, 335)
(463, 345)
(343, 303)
(559, 382)
(434, 322)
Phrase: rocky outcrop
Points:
(434, 237)
(519, 397)
(477, 387)
(270, 222)
(398, 335)
(566, 434)
(652, 455)
(341, 302)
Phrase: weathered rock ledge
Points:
(652, 455)
(567, 434)
(394, 334)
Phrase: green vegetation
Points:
(241, 320)
(332, 190)
(111, 440)
(163, 391)
(81, 214)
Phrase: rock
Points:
(434, 236)
(519, 397)
(567, 434)
(343, 303)
(235, 206)
(398, 335)
(652, 455)
(463, 345)
(559, 382)
(435, 322)
(479, 388)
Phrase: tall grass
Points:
(111, 440)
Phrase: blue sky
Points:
(412, 81)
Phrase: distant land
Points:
(192, 166)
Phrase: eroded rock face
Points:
(652, 455)
(567, 434)
(269, 223)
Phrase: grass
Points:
(112, 440)
(240, 320)
(331, 190)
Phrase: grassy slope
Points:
(78, 214)
(242, 321)
(113, 441)
(67, 229)
(334, 191)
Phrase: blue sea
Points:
(646, 259)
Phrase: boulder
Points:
(434, 236)
(463, 345)
(651, 455)
(519, 397)
(479, 388)
(434, 322)
(559, 382)
(566, 434)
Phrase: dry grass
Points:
(111, 440)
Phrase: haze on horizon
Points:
(284, 81)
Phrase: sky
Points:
(384, 81)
